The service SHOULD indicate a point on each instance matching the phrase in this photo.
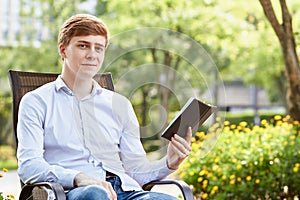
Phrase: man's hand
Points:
(178, 149)
(82, 179)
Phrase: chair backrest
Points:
(22, 82)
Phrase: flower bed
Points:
(259, 162)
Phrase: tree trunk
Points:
(285, 35)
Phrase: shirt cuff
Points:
(67, 178)
(166, 169)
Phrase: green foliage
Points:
(8, 157)
(247, 163)
(5, 120)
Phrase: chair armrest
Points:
(57, 189)
(184, 187)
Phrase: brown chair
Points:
(22, 82)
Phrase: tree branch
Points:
(270, 14)
(287, 20)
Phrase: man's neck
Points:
(80, 87)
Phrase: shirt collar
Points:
(60, 85)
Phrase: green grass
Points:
(8, 158)
(9, 164)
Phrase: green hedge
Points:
(258, 162)
(6, 136)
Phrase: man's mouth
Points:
(90, 64)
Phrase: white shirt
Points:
(60, 136)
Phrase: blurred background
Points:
(247, 80)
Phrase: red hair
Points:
(82, 25)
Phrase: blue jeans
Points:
(94, 192)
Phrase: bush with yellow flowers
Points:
(258, 162)
(9, 196)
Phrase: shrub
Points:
(261, 162)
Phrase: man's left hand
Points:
(178, 149)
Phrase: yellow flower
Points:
(261, 158)
(200, 179)
(10, 196)
(209, 174)
(226, 123)
(193, 159)
(183, 174)
(292, 137)
(232, 176)
(215, 188)
(257, 181)
(191, 173)
(295, 169)
(231, 182)
(215, 167)
(264, 122)
(248, 178)
(216, 159)
(239, 179)
(200, 134)
(226, 129)
(194, 146)
(243, 124)
(193, 140)
(202, 172)
(295, 122)
(204, 196)
(187, 165)
(247, 130)
(220, 169)
(278, 123)
(277, 117)
(255, 128)
(205, 182)
(239, 166)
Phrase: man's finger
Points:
(189, 135)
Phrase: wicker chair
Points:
(22, 82)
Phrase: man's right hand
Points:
(82, 179)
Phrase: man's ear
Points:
(62, 50)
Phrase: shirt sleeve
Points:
(133, 154)
(32, 165)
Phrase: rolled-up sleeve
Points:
(133, 154)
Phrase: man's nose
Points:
(91, 54)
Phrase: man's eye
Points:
(99, 49)
(83, 46)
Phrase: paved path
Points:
(10, 183)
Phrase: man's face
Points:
(84, 55)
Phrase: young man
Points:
(85, 137)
